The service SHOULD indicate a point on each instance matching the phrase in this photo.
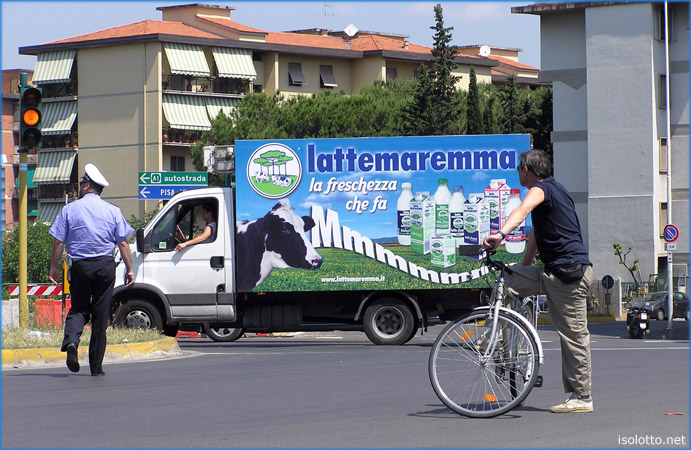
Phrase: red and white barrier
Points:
(37, 290)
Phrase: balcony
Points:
(232, 87)
(32, 159)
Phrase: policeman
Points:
(91, 228)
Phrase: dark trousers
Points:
(91, 287)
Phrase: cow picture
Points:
(276, 241)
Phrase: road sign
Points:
(671, 233)
(159, 192)
(174, 178)
(607, 282)
(670, 246)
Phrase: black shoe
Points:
(98, 374)
(72, 360)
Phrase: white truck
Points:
(307, 240)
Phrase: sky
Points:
(490, 23)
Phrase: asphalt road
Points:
(338, 390)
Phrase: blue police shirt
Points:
(90, 227)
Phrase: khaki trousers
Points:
(568, 310)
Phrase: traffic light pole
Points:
(23, 164)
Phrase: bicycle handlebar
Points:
(499, 265)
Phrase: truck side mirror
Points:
(143, 244)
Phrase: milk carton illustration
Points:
(443, 249)
(422, 223)
(497, 195)
(476, 216)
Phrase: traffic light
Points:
(31, 115)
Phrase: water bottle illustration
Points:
(456, 214)
(403, 207)
(515, 241)
(441, 199)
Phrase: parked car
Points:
(656, 305)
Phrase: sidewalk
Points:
(46, 357)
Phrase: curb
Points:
(591, 319)
(42, 357)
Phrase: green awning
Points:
(30, 171)
(187, 59)
(186, 112)
(58, 117)
(234, 63)
(54, 67)
(54, 167)
(214, 105)
(48, 212)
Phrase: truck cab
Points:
(167, 290)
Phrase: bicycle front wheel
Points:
(474, 383)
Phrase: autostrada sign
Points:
(163, 185)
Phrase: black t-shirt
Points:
(557, 230)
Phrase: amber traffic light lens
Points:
(31, 117)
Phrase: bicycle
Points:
(485, 363)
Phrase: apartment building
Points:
(134, 97)
(614, 123)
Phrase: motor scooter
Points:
(637, 321)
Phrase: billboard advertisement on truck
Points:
(382, 213)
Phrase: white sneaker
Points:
(574, 404)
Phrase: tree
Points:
(38, 254)
(418, 115)
(545, 122)
(622, 260)
(509, 104)
(489, 118)
(434, 109)
(474, 121)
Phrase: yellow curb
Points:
(166, 346)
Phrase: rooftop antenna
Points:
(326, 13)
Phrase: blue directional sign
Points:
(671, 233)
(160, 192)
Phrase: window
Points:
(662, 148)
(257, 56)
(326, 77)
(257, 88)
(391, 73)
(177, 163)
(182, 223)
(663, 218)
(660, 24)
(662, 92)
(295, 77)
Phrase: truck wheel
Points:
(138, 314)
(223, 334)
(389, 322)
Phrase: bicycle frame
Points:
(498, 305)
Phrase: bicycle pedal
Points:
(538, 383)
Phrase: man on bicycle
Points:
(565, 276)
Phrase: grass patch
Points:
(344, 263)
(21, 338)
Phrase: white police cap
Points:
(91, 173)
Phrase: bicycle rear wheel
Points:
(477, 385)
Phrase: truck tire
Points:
(138, 314)
(223, 334)
(389, 322)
